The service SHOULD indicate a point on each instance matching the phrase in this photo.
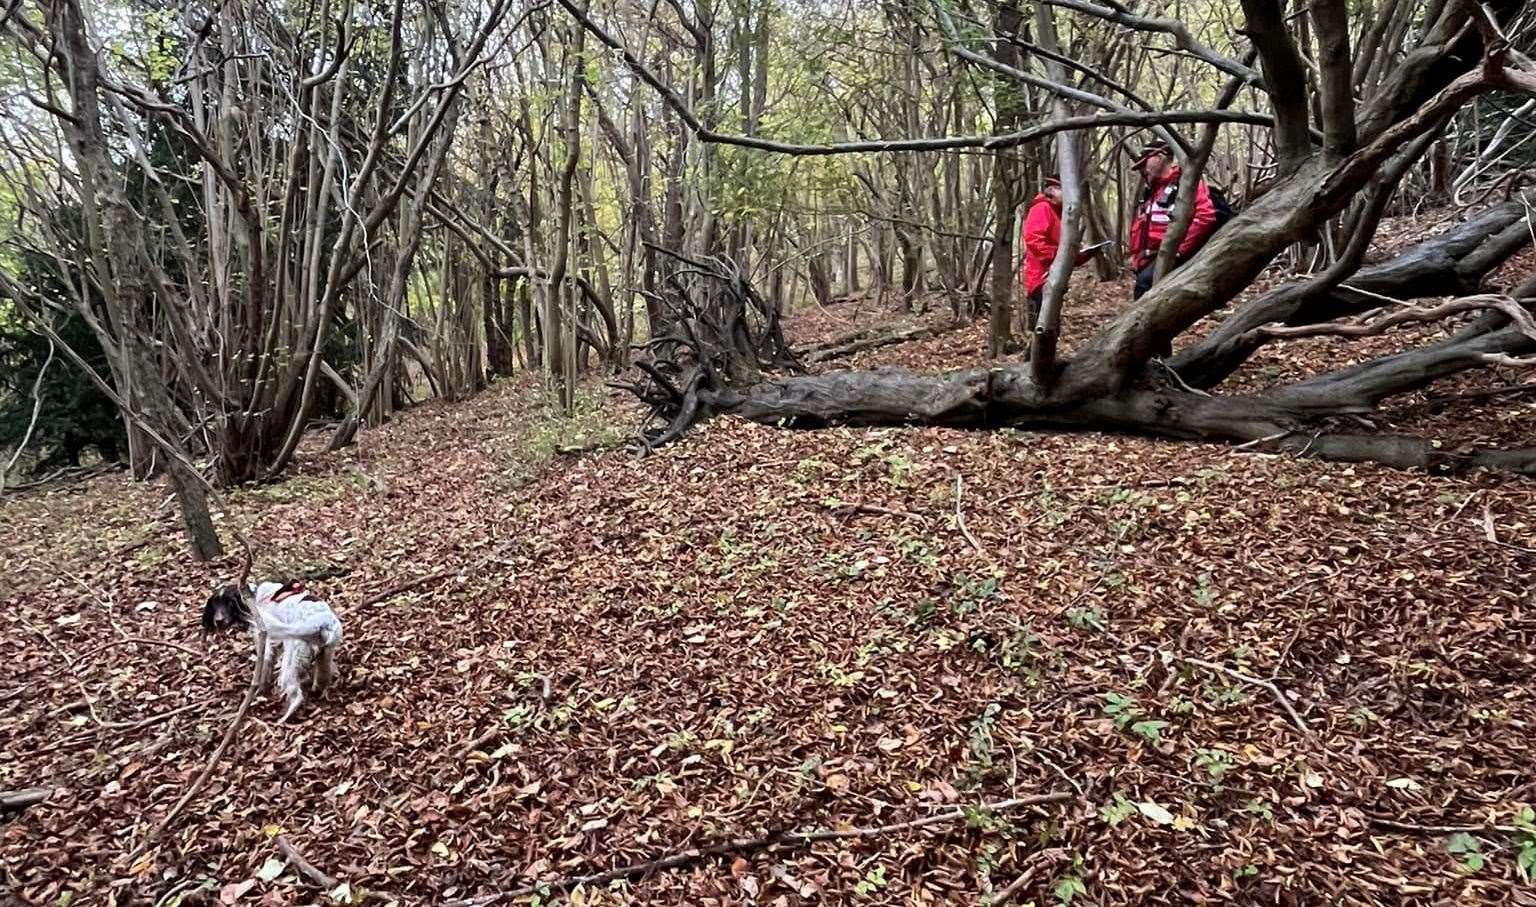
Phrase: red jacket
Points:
(1155, 212)
(1040, 238)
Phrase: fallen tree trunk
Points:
(1118, 380)
(1359, 388)
(1450, 264)
(985, 398)
(686, 389)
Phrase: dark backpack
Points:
(1224, 209)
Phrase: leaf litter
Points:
(558, 667)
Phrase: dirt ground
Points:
(1251, 679)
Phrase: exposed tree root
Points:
(303, 867)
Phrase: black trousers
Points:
(1144, 276)
(1143, 280)
(1144, 283)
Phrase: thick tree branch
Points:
(1042, 354)
(1452, 263)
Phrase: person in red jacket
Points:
(1040, 238)
(1154, 211)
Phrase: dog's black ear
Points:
(210, 610)
(239, 608)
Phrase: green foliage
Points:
(1151, 730)
(873, 881)
(1120, 708)
(1205, 593)
(1085, 619)
(1215, 763)
(587, 424)
(1127, 715)
(1068, 887)
(1467, 850)
(981, 745)
(1118, 811)
(972, 593)
(75, 415)
(1525, 842)
(1020, 652)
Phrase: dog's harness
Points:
(297, 592)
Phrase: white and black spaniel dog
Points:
(293, 619)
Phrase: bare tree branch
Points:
(990, 142)
(1182, 38)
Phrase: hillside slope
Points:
(557, 667)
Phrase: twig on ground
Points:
(546, 695)
(1415, 828)
(1528, 387)
(1267, 685)
(303, 866)
(960, 517)
(90, 702)
(1463, 506)
(407, 586)
(1507, 546)
(1049, 763)
(875, 509)
(144, 640)
(1489, 532)
(1264, 440)
(229, 735)
(744, 845)
(76, 740)
(1007, 894)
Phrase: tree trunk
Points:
(1005, 194)
(114, 228)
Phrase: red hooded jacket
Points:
(1155, 212)
(1040, 237)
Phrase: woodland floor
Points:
(759, 629)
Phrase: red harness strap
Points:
(295, 591)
